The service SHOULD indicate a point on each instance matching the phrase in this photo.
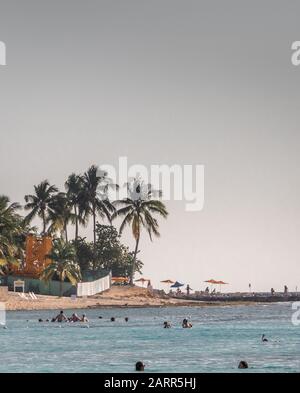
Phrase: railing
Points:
(94, 287)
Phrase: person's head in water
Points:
(139, 366)
(112, 319)
(61, 312)
(243, 364)
(167, 325)
(126, 319)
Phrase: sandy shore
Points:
(115, 297)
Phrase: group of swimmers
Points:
(185, 324)
(61, 317)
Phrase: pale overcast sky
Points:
(167, 82)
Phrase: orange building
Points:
(36, 250)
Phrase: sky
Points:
(166, 82)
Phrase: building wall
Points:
(37, 248)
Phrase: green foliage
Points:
(110, 253)
(39, 203)
(63, 265)
(86, 197)
(138, 211)
(11, 234)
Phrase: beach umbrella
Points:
(212, 282)
(221, 283)
(168, 282)
(142, 280)
(177, 285)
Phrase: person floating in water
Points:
(75, 318)
(186, 324)
(60, 317)
(84, 318)
(243, 364)
(264, 339)
(167, 325)
(139, 366)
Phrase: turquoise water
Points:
(220, 337)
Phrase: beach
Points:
(123, 296)
(115, 297)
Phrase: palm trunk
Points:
(44, 223)
(134, 259)
(94, 232)
(76, 223)
(66, 232)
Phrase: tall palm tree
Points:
(39, 202)
(74, 188)
(63, 265)
(60, 215)
(11, 230)
(138, 210)
(94, 200)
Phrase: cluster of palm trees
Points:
(12, 233)
(85, 197)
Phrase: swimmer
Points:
(139, 366)
(84, 318)
(264, 339)
(126, 319)
(60, 317)
(75, 318)
(40, 320)
(167, 325)
(243, 364)
(186, 324)
(112, 319)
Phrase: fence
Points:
(94, 287)
(40, 287)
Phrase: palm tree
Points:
(93, 199)
(138, 209)
(59, 215)
(39, 202)
(74, 188)
(11, 230)
(63, 265)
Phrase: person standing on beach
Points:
(272, 291)
(188, 288)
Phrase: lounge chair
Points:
(33, 296)
(22, 295)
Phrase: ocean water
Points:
(219, 339)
